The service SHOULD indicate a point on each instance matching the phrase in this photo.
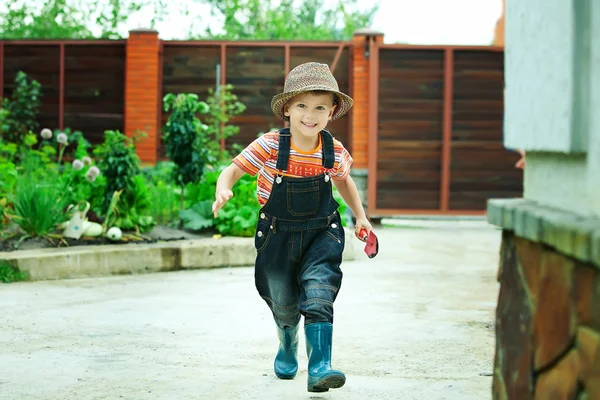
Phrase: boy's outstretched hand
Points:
(362, 223)
(222, 196)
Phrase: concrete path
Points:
(417, 322)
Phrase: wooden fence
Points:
(83, 86)
(435, 113)
(437, 117)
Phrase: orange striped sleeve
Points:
(253, 158)
(343, 162)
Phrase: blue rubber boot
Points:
(321, 377)
(286, 362)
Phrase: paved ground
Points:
(414, 323)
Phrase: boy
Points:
(299, 236)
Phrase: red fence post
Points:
(141, 94)
(362, 45)
(61, 87)
(447, 129)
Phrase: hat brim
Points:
(344, 103)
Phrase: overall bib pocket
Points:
(303, 199)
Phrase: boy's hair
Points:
(320, 92)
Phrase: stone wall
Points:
(548, 312)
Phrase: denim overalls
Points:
(299, 242)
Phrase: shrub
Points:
(186, 140)
(120, 167)
(21, 110)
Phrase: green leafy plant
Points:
(39, 205)
(223, 106)
(120, 166)
(21, 110)
(10, 273)
(118, 162)
(237, 218)
(8, 168)
(165, 195)
(186, 138)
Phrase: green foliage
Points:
(4, 121)
(133, 207)
(80, 186)
(118, 162)
(165, 195)
(342, 209)
(237, 218)
(8, 169)
(185, 136)
(39, 203)
(21, 110)
(288, 19)
(73, 19)
(223, 105)
(10, 273)
(120, 166)
(240, 214)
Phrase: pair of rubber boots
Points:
(321, 377)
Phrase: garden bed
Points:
(157, 234)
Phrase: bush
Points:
(237, 218)
(186, 140)
(39, 202)
(120, 166)
(21, 110)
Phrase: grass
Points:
(10, 273)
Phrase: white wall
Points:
(552, 99)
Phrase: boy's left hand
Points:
(362, 223)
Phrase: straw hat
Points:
(306, 78)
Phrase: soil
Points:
(158, 233)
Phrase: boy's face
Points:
(309, 113)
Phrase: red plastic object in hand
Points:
(372, 246)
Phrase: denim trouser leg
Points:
(275, 279)
(320, 275)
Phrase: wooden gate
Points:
(436, 122)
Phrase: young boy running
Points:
(299, 236)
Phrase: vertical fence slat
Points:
(351, 94)
(161, 63)
(61, 87)
(447, 129)
(373, 122)
(337, 57)
(223, 82)
(286, 124)
(1, 70)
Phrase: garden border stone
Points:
(139, 258)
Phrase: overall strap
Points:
(284, 149)
(285, 146)
(328, 149)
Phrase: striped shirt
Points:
(260, 157)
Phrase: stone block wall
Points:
(548, 312)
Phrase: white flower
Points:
(94, 171)
(77, 165)
(92, 174)
(86, 160)
(61, 138)
(46, 133)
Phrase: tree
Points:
(71, 19)
(288, 19)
